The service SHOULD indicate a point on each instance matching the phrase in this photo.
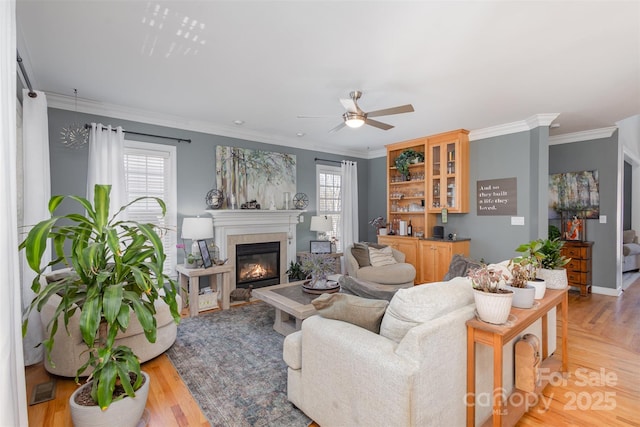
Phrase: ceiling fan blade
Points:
(337, 128)
(377, 124)
(350, 105)
(389, 111)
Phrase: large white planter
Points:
(123, 413)
(492, 307)
(556, 279)
(540, 286)
(522, 297)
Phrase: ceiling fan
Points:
(354, 117)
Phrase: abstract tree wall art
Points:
(574, 192)
(246, 175)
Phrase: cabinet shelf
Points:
(408, 213)
(413, 181)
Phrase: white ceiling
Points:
(202, 65)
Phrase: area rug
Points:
(231, 361)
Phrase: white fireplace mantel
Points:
(233, 222)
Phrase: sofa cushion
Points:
(363, 312)
(460, 266)
(361, 253)
(629, 236)
(381, 257)
(420, 304)
(366, 289)
(392, 274)
(292, 350)
(630, 249)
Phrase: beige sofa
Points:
(413, 373)
(69, 351)
(400, 274)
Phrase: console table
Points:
(189, 278)
(497, 336)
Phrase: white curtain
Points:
(349, 200)
(106, 163)
(13, 400)
(36, 192)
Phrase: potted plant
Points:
(117, 272)
(551, 268)
(530, 261)
(317, 267)
(405, 158)
(493, 302)
(378, 223)
(523, 293)
(295, 272)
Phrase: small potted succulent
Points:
(493, 302)
(530, 261)
(523, 293)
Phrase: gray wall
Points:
(376, 195)
(600, 154)
(493, 238)
(195, 166)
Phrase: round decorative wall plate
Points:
(300, 201)
(214, 199)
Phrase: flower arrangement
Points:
(378, 223)
(317, 266)
(487, 279)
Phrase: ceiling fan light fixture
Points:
(353, 120)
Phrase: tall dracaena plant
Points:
(117, 269)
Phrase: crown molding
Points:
(585, 135)
(537, 120)
(66, 102)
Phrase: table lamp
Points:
(321, 224)
(197, 229)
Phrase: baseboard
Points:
(606, 291)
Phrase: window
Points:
(150, 170)
(329, 188)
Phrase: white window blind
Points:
(329, 187)
(150, 171)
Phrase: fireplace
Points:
(257, 264)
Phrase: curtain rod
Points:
(88, 126)
(327, 160)
(32, 93)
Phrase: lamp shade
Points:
(321, 223)
(197, 228)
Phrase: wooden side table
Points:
(189, 278)
(579, 268)
(497, 336)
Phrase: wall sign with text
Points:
(497, 196)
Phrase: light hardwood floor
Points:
(603, 387)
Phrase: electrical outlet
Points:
(517, 220)
(603, 219)
(301, 218)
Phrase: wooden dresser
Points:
(579, 269)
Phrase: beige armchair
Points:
(70, 352)
(400, 274)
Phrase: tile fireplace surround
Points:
(240, 226)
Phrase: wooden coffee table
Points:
(291, 303)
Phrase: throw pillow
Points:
(628, 236)
(362, 312)
(361, 253)
(381, 257)
(413, 306)
(365, 289)
(460, 266)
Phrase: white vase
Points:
(556, 279)
(493, 307)
(540, 286)
(122, 413)
(522, 297)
